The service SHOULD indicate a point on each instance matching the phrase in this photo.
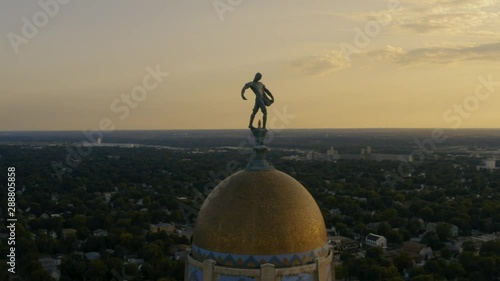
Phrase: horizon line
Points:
(241, 129)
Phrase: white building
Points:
(332, 154)
(489, 164)
(51, 266)
(374, 240)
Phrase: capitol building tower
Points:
(259, 224)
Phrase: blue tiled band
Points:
(254, 261)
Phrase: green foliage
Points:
(96, 270)
(443, 231)
(403, 262)
(362, 191)
(432, 240)
(427, 277)
(374, 253)
(40, 275)
(468, 246)
(491, 248)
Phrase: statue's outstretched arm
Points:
(243, 91)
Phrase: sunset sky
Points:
(329, 63)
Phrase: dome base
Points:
(321, 269)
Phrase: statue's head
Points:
(258, 76)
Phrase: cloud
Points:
(447, 17)
(438, 54)
(325, 63)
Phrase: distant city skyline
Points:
(168, 65)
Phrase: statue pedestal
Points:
(258, 161)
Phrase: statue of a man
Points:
(261, 100)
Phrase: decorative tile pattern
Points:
(254, 261)
(195, 274)
(235, 278)
(298, 277)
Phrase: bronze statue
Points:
(261, 99)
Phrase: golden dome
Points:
(260, 213)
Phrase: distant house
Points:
(50, 265)
(488, 164)
(107, 196)
(167, 227)
(427, 253)
(416, 251)
(92, 256)
(187, 233)
(180, 251)
(432, 227)
(133, 259)
(55, 197)
(42, 232)
(100, 233)
(373, 225)
(343, 245)
(337, 212)
(180, 255)
(67, 232)
(374, 240)
(136, 261)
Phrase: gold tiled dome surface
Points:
(260, 213)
